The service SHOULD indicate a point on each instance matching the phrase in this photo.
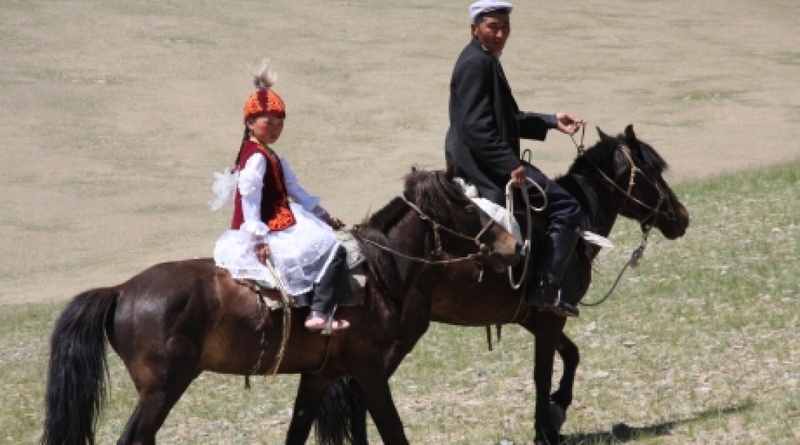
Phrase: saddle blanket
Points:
(504, 217)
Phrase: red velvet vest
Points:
(275, 211)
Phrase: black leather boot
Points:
(545, 292)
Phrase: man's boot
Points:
(545, 290)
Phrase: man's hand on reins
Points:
(568, 124)
(518, 176)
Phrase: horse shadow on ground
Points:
(620, 432)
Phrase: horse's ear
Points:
(602, 135)
(450, 173)
(630, 137)
(629, 134)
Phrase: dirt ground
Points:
(114, 115)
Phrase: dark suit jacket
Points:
(483, 141)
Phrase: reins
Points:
(634, 170)
(632, 262)
(529, 227)
(438, 240)
(287, 328)
(637, 253)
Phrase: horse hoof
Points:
(557, 416)
(621, 432)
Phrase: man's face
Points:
(493, 31)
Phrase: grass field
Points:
(114, 115)
(698, 345)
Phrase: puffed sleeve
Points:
(251, 184)
(298, 193)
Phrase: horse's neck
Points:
(411, 241)
(600, 202)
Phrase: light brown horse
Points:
(618, 176)
(175, 320)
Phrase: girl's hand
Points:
(262, 252)
(333, 221)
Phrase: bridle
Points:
(646, 226)
(482, 248)
(438, 251)
(656, 210)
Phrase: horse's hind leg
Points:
(156, 398)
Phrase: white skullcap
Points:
(484, 6)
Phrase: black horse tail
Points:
(77, 371)
(342, 416)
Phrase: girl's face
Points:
(267, 129)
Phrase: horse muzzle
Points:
(675, 226)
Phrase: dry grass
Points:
(697, 346)
(114, 116)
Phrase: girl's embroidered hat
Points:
(264, 101)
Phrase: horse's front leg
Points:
(562, 398)
(549, 329)
(374, 382)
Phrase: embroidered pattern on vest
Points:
(275, 210)
(280, 216)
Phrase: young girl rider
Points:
(275, 219)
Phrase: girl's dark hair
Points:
(245, 138)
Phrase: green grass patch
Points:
(697, 345)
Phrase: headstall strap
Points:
(439, 249)
(580, 147)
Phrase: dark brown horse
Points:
(618, 176)
(176, 320)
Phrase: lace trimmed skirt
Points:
(300, 254)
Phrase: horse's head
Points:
(460, 228)
(635, 170)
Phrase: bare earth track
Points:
(113, 115)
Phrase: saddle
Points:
(518, 220)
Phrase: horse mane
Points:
(603, 151)
(381, 265)
(576, 180)
(434, 193)
(387, 217)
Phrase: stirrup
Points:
(558, 307)
(562, 308)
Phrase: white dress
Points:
(300, 253)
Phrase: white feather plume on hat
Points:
(263, 76)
